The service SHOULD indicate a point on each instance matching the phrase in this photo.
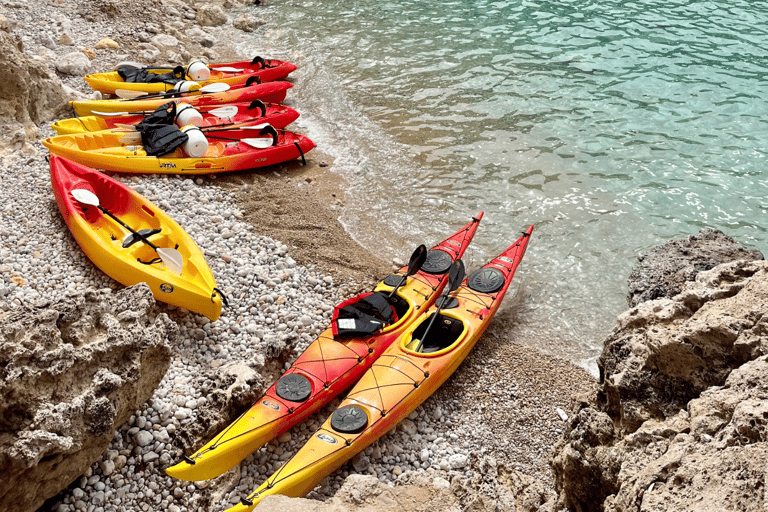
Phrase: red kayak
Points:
(332, 363)
(270, 92)
(231, 114)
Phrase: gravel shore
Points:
(278, 252)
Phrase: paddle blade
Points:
(261, 143)
(130, 138)
(224, 112)
(111, 114)
(85, 196)
(128, 64)
(127, 95)
(215, 87)
(172, 259)
(456, 275)
(418, 258)
(227, 69)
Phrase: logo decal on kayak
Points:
(166, 288)
(270, 404)
(325, 437)
(168, 165)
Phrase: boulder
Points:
(678, 421)
(71, 373)
(664, 270)
(73, 63)
(211, 15)
(30, 94)
(247, 23)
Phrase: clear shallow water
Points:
(612, 126)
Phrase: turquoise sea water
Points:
(612, 126)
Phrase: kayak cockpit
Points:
(435, 336)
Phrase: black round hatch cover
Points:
(447, 302)
(486, 280)
(438, 262)
(349, 419)
(293, 387)
(393, 280)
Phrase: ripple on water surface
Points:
(612, 126)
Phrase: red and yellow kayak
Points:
(236, 74)
(228, 150)
(104, 241)
(326, 368)
(270, 92)
(255, 112)
(406, 374)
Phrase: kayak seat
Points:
(443, 333)
(362, 315)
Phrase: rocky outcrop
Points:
(30, 94)
(71, 373)
(666, 268)
(678, 421)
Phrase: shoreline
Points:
(297, 207)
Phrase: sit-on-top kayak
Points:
(228, 149)
(108, 239)
(327, 367)
(238, 73)
(408, 372)
(271, 92)
(255, 112)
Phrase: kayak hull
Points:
(100, 238)
(271, 92)
(277, 115)
(109, 82)
(121, 151)
(398, 382)
(330, 366)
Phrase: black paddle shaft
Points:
(126, 226)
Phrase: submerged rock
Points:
(71, 373)
(679, 421)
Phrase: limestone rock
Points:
(107, 43)
(679, 421)
(664, 270)
(30, 94)
(211, 15)
(71, 373)
(74, 63)
(247, 23)
(164, 40)
(234, 389)
(66, 39)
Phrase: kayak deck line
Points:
(400, 379)
(327, 366)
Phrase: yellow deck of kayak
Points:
(398, 382)
(101, 238)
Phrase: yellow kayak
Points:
(225, 150)
(408, 372)
(105, 233)
(270, 92)
(235, 74)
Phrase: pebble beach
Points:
(505, 404)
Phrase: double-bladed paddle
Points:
(418, 258)
(225, 112)
(171, 257)
(455, 277)
(142, 95)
